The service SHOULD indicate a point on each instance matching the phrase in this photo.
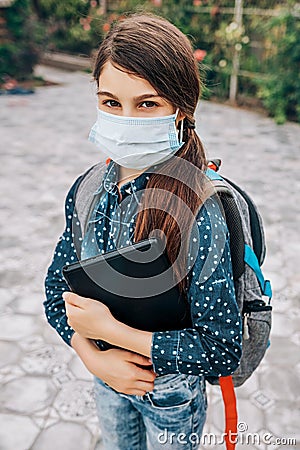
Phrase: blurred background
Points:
(249, 49)
(249, 58)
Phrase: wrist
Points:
(114, 332)
(77, 341)
(83, 345)
(88, 352)
(138, 341)
(74, 340)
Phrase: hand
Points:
(90, 318)
(121, 371)
(117, 368)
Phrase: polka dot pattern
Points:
(212, 346)
(55, 283)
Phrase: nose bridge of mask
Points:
(128, 120)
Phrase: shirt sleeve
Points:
(55, 284)
(212, 346)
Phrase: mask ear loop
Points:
(181, 127)
(181, 132)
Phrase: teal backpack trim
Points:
(212, 175)
(252, 261)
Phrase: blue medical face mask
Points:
(136, 142)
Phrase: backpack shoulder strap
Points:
(243, 221)
(257, 233)
(234, 223)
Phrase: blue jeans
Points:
(172, 416)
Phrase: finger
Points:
(73, 317)
(144, 386)
(69, 297)
(68, 309)
(73, 299)
(139, 359)
(71, 309)
(135, 392)
(145, 375)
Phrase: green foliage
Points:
(61, 24)
(269, 50)
(281, 93)
(19, 51)
(66, 11)
(268, 47)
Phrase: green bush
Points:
(268, 46)
(281, 93)
(67, 25)
(19, 52)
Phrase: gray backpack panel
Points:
(256, 313)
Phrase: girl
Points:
(150, 388)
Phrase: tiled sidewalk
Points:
(46, 397)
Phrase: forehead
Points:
(115, 80)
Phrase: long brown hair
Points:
(154, 49)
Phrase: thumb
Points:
(67, 296)
(72, 299)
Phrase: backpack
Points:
(248, 249)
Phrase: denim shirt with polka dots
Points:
(212, 346)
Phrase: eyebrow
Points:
(139, 98)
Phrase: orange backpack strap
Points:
(231, 417)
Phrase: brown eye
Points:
(148, 104)
(111, 103)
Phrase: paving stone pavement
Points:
(46, 398)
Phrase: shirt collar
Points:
(110, 179)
